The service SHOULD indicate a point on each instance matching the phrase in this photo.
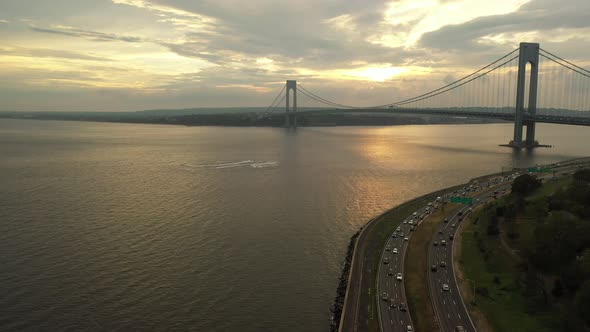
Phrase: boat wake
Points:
(243, 163)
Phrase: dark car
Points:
(402, 307)
(433, 268)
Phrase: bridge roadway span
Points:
(557, 119)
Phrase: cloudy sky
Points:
(121, 55)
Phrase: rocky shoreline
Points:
(336, 307)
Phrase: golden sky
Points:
(120, 55)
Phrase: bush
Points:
(525, 184)
(497, 280)
(557, 288)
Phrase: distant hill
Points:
(195, 111)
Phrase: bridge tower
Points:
(290, 119)
(528, 54)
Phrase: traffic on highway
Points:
(449, 307)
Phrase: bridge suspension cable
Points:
(274, 106)
(448, 87)
(319, 99)
(420, 97)
(427, 96)
(563, 60)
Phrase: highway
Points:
(449, 308)
(392, 318)
(448, 304)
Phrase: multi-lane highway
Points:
(448, 304)
(393, 308)
(444, 292)
(449, 308)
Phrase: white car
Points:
(406, 239)
(394, 250)
(445, 287)
(399, 277)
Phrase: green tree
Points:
(525, 184)
(582, 302)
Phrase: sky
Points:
(127, 55)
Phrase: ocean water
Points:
(120, 227)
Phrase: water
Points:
(146, 227)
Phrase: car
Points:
(429, 203)
(384, 296)
(394, 250)
(390, 272)
(415, 214)
(402, 307)
(433, 268)
(451, 237)
(443, 264)
(409, 328)
(440, 231)
(460, 218)
(385, 260)
(446, 220)
(399, 277)
(391, 303)
(459, 329)
(443, 243)
(435, 243)
(412, 228)
(445, 287)
(388, 247)
(406, 239)
(394, 235)
(460, 213)
(398, 229)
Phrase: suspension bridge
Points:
(528, 85)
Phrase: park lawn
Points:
(505, 306)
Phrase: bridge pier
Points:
(290, 118)
(528, 54)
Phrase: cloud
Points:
(360, 52)
(90, 35)
(541, 19)
(49, 53)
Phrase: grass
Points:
(484, 259)
(417, 291)
(383, 228)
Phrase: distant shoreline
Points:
(250, 119)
